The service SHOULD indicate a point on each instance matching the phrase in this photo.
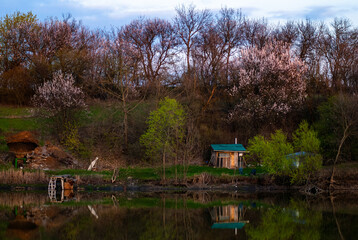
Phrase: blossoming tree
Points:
(270, 82)
(59, 96)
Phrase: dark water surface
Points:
(189, 215)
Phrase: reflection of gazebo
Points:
(228, 217)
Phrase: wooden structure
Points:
(227, 155)
(60, 188)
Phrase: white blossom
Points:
(59, 94)
(271, 81)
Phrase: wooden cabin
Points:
(227, 155)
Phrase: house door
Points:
(224, 160)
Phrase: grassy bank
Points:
(194, 175)
(155, 173)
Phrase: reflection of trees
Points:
(156, 228)
(297, 221)
(170, 220)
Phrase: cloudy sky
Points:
(107, 13)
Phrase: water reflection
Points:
(176, 216)
(296, 221)
(229, 217)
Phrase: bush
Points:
(276, 154)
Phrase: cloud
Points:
(126, 10)
(313, 13)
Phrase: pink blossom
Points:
(271, 81)
(59, 94)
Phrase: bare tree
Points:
(256, 32)
(209, 57)
(340, 48)
(188, 23)
(287, 33)
(153, 40)
(230, 29)
(345, 115)
(308, 50)
(121, 74)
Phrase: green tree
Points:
(305, 140)
(17, 33)
(165, 131)
(272, 152)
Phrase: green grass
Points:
(6, 111)
(155, 173)
(18, 124)
(80, 172)
(98, 113)
(3, 145)
(6, 166)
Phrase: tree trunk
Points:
(335, 217)
(125, 129)
(176, 158)
(163, 176)
(331, 182)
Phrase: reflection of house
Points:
(227, 155)
(228, 217)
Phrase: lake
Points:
(177, 215)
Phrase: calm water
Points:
(190, 215)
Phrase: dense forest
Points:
(233, 77)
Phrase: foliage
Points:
(270, 83)
(274, 153)
(165, 129)
(296, 221)
(58, 99)
(337, 122)
(266, 69)
(306, 140)
(70, 138)
(59, 95)
(16, 33)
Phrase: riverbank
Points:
(197, 178)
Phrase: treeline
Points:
(236, 76)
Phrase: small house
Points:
(227, 155)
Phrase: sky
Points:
(105, 14)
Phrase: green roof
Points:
(234, 225)
(228, 147)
